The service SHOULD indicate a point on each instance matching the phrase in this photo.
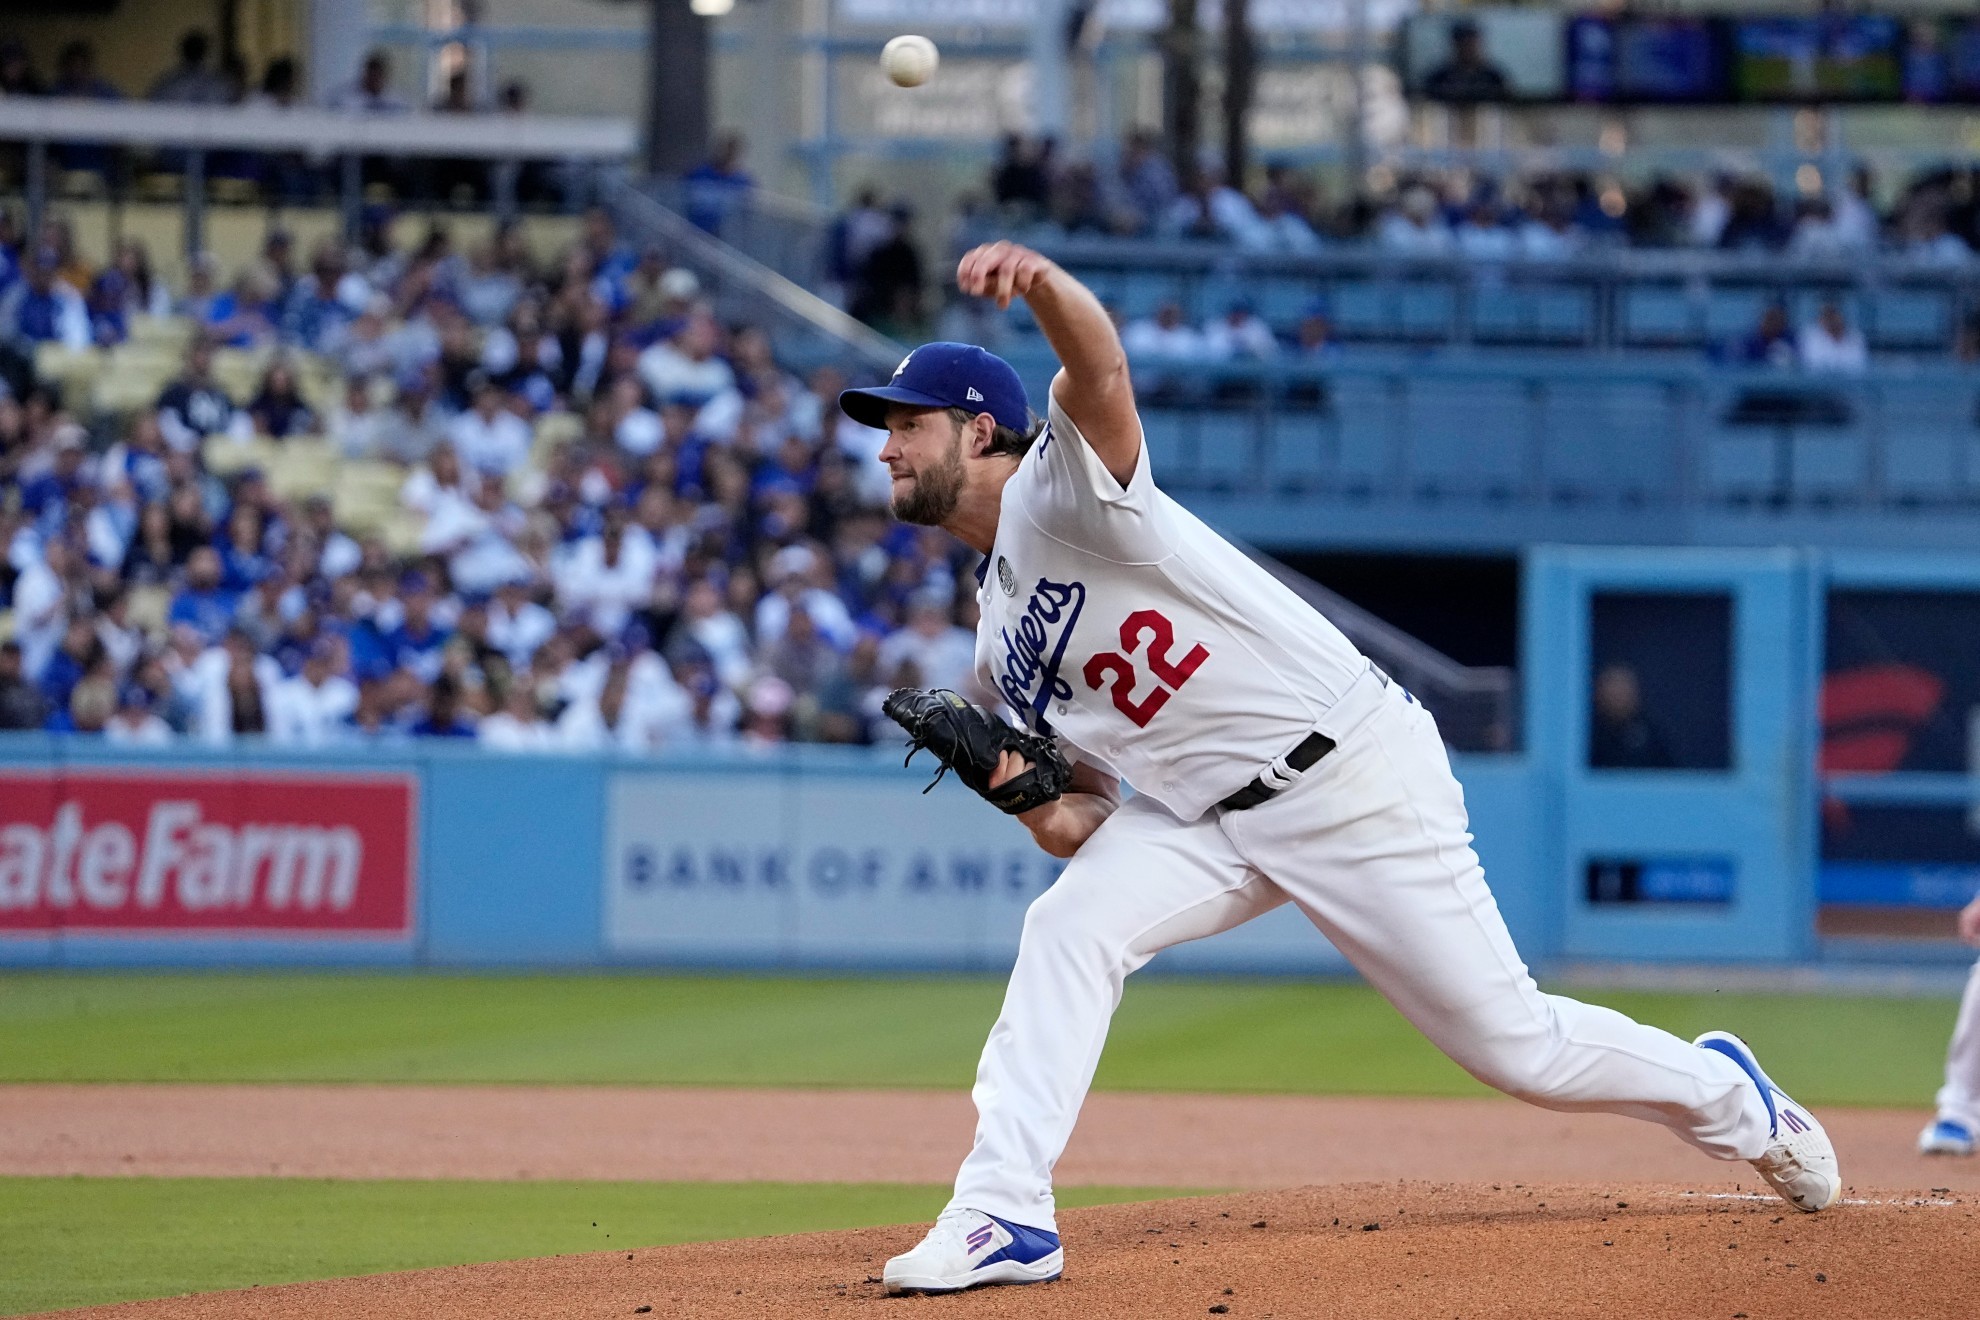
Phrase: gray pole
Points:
(1049, 69)
(1357, 143)
(337, 33)
(1240, 76)
(1182, 89)
(677, 88)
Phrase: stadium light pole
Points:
(677, 86)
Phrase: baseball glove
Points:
(968, 740)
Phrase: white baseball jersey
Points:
(1115, 620)
(1159, 652)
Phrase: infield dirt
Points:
(1371, 1251)
(694, 1134)
(1453, 1233)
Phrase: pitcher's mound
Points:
(1371, 1251)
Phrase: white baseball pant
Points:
(1372, 845)
(1959, 1098)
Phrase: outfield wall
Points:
(1819, 715)
(454, 857)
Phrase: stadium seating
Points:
(1623, 300)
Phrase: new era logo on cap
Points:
(972, 395)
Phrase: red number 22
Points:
(1169, 674)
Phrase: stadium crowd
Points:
(1139, 193)
(702, 558)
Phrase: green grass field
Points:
(84, 1241)
(74, 1241)
(1170, 1035)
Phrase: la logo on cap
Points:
(903, 367)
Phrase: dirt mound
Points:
(1371, 1251)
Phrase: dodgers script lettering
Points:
(1035, 645)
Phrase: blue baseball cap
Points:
(945, 375)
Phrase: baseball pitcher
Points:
(1271, 763)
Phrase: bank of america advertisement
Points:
(861, 870)
(770, 869)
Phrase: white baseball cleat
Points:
(968, 1249)
(1800, 1163)
(1945, 1136)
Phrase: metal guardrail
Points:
(1550, 433)
(1477, 707)
(1616, 299)
(808, 330)
(786, 234)
(1624, 299)
(192, 133)
(326, 132)
(1612, 262)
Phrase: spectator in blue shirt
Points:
(719, 185)
(443, 718)
(204, 605)
(612, 258)
(245, 315)
(416, 643)
(108, 305)
(244, 559)
(47, 496)
(79, 653)
(1769, 344)
(40, 309)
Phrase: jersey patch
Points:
(1030, 680)
(1006, 579)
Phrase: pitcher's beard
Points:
(936, 492)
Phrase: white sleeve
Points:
(1069, 495)
(284, 719)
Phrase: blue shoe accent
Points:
(1952, 1131)
(1026, 1245)
(1724, 1042)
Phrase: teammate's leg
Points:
(1143, 882)
(1373, 845)
(1959, 1098)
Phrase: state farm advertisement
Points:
(245, 852)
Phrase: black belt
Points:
(1299, 760)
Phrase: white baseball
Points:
(909, 61)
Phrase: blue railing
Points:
(1389, 446)
(1625, 299)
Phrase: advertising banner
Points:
(1900, 693)
(774, 870)
(142, 852)
(853, 871)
